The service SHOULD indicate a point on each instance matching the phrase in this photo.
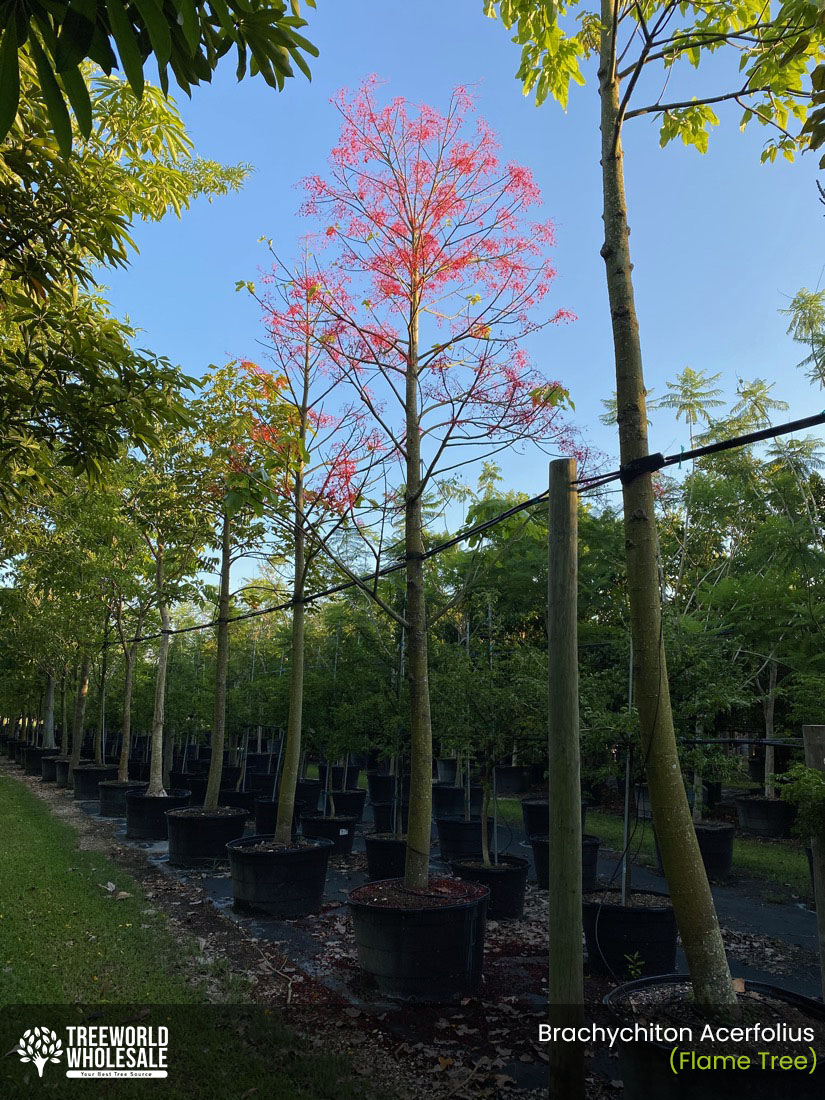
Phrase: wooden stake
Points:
(814, 740)
(565, 979)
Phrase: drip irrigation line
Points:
(647, 464)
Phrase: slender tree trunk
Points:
(48, 714)
(768, 706)
(64, 716)
(129, 656)
(689, 889)
(213, 787)
(421, 738)
(101, 695)
(80, 712)
(156, 761)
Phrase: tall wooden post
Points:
(814, 740)
(565, 979)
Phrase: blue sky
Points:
(719, 242)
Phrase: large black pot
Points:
(32, 757)
(197, 837)
(308, 791)
(383, 816)
(446, 770)
(448, 801)
(418, 953)
(113, 796)
(146, 814)
(382, 787)
(339, 777)
(139, 770)
(715, 845)
(535, 813)
(590, 858)
(286, 883)
(386, 855)
(261, 783)
(765, 816)
(61, 769)
(458, 839)
(48, 767)
(87, 778)
(18, 748)
(506, 882)
(646, 1068)
(339, 829)
(197, 784)
(347, 802)
(511, 779)
(266, 816)
(621, 938)
(239, 800)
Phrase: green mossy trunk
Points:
(48, 713)
(213, 786)
(689, 889)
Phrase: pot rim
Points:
(244, 842)
(613, 907)
(197, 813)
(466, 903)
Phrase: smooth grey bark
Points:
(156, 787)
(129, 657)
(80, 711)
(684, 870)
(48, 713)
(64, 716)
(213, 786)
(101, 695)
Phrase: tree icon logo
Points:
(39, 1045)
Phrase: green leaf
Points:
(127, 46)
(9, 79)
(158, 30)
(78, 95)
(53, 97)
(76, 34)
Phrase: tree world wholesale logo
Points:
(102, 1051)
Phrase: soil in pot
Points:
(646, 1068)
(266, 815)
(628, 940)
(505, 880)
(458, 839)
(146, 814)
(87, 778)
(386, 855)
(383, 816)
(715, 845)
(113, 796)
(347, 802)
(590, 857)
(286, 883)
(198, 837)
(339, 829)
(765, 816)
(421, 945)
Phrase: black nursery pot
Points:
(286, 883)
(765, 816)
(239, 800)
(32, 758)
(616, 933)
(715, 845)
(590, 857)
(448, 801)
(139, 770)
(512, 779)
(646, 1071)
(386, 855)
(61, 769)
(339, 829)
(266, 815)
(383, 816)
(348, 802)
(87, 778)
(536, 815)
(308, 791)
(459, 839)
(113, 796)
(48, 768)
(146, 814)
(261, 783)
(336, 778)
(446, 770)
(381, 787)
(506, 882)
(419, 953)
(197, 837)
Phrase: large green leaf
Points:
(127, 46)
(9, 78)
(53, 97)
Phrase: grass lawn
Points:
(66, 939)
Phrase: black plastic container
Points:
(308, 791)
(32, 757)
(113, 796)
(261, 783)
(506, 882)
(646, 1069)
(386, 855)
(590, 857)
(266, 816)
(446, 769)
(418, 953)
(535, 813)
(348, 802)
(239, 800)
(139, 770)
(87, 778)
(381, 787)
(715, 845)
(341, 778)
(448, 801)
(511, 779)
(383, 816)
(621, 938)
(197, 838)
(765, 816)
(61, 769)
(339, 829)
(459, 839)
(287, 883)
(146, 814)
(48, 768)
